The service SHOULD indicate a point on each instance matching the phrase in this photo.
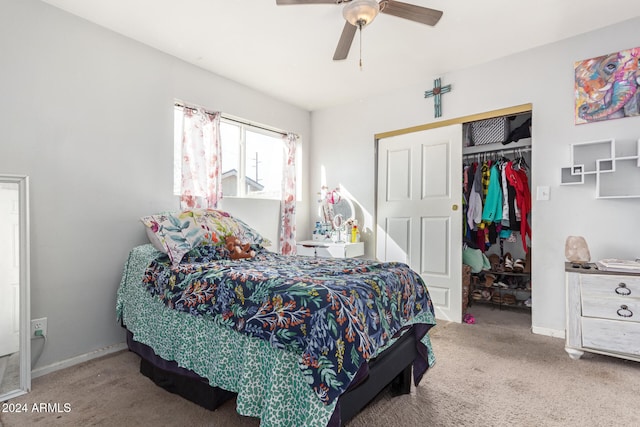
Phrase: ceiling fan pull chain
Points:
(360, 26)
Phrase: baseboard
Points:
(78, 359)
(549, 332)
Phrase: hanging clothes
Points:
(474, 213)
(477, 182)
(517, 177)
(496, 199)
(492, 211)
(507, 207)
(486, 174)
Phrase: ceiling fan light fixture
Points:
(359, 13)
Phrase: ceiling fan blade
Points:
(286, 2)
(344, 44)
(411, 12)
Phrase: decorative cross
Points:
(436, 92)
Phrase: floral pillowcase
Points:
(177, 233)
(220, 224)
(173, 234)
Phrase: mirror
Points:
(15, 348)
(342, 206)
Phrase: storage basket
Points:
(490, 131)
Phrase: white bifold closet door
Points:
(419, 210)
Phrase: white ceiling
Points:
(286, 51)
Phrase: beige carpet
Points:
(493, 373)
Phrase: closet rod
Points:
(235, 120)
(523, 149)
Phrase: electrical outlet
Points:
(39, 325)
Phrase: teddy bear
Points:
(237, 250)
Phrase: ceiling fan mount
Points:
(360, 13)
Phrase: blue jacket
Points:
(492, 210)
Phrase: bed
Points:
(296, 340)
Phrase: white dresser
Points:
(603, 313)
(329, 249)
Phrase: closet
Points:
(497, 204)
(419, 205)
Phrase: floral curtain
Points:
(288, 205)
(201, 183)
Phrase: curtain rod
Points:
(513, 150)
(236, 120)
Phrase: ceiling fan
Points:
(359, 13)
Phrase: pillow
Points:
(155, 240)
(219, 224)
(176, 233)
(216, 225)
(173, 234)
(250, 235)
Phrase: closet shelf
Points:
(507, 273)
(516, 294)
(524, 143)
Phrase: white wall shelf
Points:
(616, 177)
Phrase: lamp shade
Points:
(359, 13)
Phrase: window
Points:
(251, 159)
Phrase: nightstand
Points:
(329, 249)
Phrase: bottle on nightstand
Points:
(355, 234)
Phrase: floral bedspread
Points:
(335, 313)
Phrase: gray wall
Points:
(88, 115)
(543, 77)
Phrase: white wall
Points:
(343, 146)
(88, 115)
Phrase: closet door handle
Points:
(454, 207)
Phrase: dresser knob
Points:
(622, 289)
(624, 311)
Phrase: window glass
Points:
(230, 135)
(263, 165)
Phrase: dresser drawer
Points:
(611, 335)
(621, 308)
(329, 249)
(332, 251)
(305, 250)
(597, 285)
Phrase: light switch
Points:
(542, 192)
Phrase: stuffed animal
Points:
(237, 250)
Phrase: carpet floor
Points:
(492, 373)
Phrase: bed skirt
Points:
(392, 367)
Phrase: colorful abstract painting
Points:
(607, 87)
